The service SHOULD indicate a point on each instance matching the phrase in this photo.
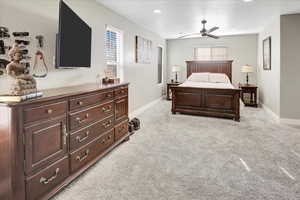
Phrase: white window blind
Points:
(113, 50)
(210, 53)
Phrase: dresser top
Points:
(55, 93)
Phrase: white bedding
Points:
(207, 85)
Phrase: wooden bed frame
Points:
(207, 101)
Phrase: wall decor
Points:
(143, 50)
(267, 53)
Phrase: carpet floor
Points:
(181, 157)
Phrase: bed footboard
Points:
(206, 101)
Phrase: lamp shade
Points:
(247, 69)
(176, 68)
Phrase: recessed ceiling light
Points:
(247, 0)
(156, 11)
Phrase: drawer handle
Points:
(82, 120)
(65, 134)
(49, 111)
(107, 124)
(106, 109)
(80, 103)
(80, 159)
(104, 140)
(80, 140)
(46, 181)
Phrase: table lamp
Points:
(176, 69)
(247, 69)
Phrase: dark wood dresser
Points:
(47, 142)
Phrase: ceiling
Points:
(179, 17)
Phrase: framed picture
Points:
(143, 50)
(267, 54)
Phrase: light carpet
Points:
(181, 157)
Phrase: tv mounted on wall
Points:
(73, 41)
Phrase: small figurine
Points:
(24, 83)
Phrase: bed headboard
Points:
(224, 66)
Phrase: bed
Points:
(207, 96)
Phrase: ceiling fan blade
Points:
(213, 29)
(184, 36)
(212, 36)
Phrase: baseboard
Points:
(274, 116)
(139, 111)
(277, 119)
(290, 121)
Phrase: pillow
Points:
(199, 77)
(218, 78)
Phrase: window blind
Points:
(210, 53)
(112, 50)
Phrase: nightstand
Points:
(169, 85)
(249, 94)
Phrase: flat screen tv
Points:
(73, 41)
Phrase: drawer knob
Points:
(80, 140)
(86, 154)
(46, 181)
(109, 95)
(109, 137)
(103, 141)
(49, 111)
(80, 103)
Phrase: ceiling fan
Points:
(204, 32)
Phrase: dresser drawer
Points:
(84, 136)
(82, 101)
(45, 143)
(122, 91)
(44, 111)
(87, 153)
(40, 184)
(83, 118)
(121, 130)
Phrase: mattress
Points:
(207, 85)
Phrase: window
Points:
(210, 53)
(113, 51)
(160, 65)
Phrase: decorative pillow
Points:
(199, 77)
(218, 78)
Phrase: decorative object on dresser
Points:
(23, 83)
(249, 94)
(143, 50)
(176, 69)
(267, 53)
(49, 141)
(169, 92)
(247, 69)
(207, 101)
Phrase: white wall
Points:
(241, 48)
(269, 80)
(41, 17)
(290, 66)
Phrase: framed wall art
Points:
(143, 50)
(267, 53)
